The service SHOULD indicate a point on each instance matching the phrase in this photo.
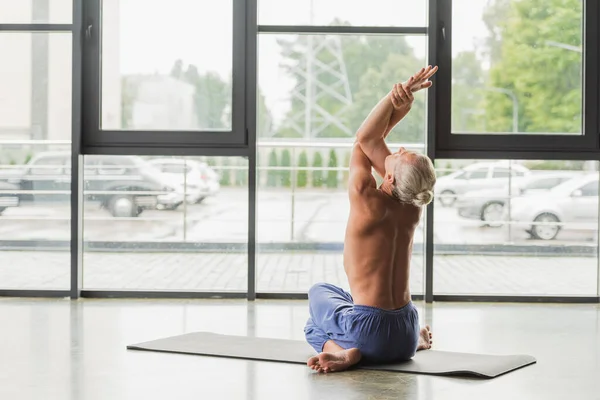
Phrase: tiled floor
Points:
(61, 349)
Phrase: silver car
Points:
(488, 205)
(197, 179)
(484, 175)
(570, 205)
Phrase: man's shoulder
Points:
(371, 200)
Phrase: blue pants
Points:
(380, 335)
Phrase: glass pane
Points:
(168, 67)
(145, 229)
(343, 12)
(517, 67)
(36, 11)
(311, 102)
(530, 235)
(35, 105)
(319, 87)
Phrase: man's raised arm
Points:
(390, 110)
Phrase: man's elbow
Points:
(362, 137)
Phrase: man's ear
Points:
(390, 178)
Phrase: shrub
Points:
(302, 177)
(332, 175)
(286, 175)
(317, 175)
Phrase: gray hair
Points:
(414, 181)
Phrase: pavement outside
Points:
(293, 272)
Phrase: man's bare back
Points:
(377, 320)
(377, 249)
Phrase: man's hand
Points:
(402, 93)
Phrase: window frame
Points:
(96, 140)
(520, 145)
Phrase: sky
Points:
(155, 33)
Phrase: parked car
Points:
(488, 204)
(8, 196)
(484, 175)
(572, 204)
(199, 179)
(124, 185)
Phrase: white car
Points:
(197, 179)
(570, 205)
(484, 175)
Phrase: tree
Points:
(372, 65)
(302, 177)
(317, 175)
(225, 173)
(346, 174)
(129, 90)
(272, 173)
(241, 174)
(468, 110)
(212, 96)
(376, 82)
(545, 79)
(332, 174)
(286, 163)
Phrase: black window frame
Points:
(520, 145)
(96, 140)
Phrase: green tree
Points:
(212, 96)
(225, 173)
(376, 82)
(317, 175)
(545, 79)
(346, 174)
(372, 65)
(332, 174)
(272, 173)
(241, 173)
(468, 112)
(129, 90)
(302, 177)
(286, 162)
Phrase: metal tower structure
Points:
(322, 76)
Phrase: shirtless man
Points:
(377, 322)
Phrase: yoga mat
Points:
(431, 362)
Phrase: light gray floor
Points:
(58, 349)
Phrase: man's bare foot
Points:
(425, 339)
(334, 362)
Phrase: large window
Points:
(517, 67)
(213, 139)
(314, 92)
(172, 75)
(155, 77)
(35, 176)
(165, 223)
(516, 228)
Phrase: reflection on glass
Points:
(314, 92)
(516, 67)
(516, 227)
(342, 12)
(154, 76)
(165, 223)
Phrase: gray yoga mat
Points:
(431, 362)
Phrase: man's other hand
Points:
(420, 80)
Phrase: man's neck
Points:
(388, 189)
